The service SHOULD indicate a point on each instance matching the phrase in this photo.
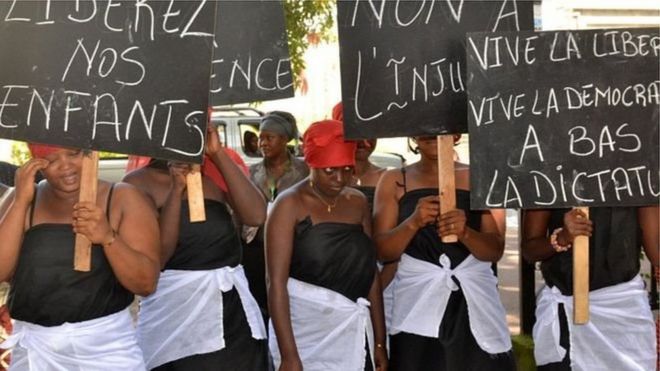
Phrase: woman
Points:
(323, 292)
(202, 315)
(251, 144)
(620, 334)
(366, 174)
(437, 284)
(365, 179)
(278, 171)
(64, 319)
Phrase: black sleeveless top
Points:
(45, 290)
(337, 256)
(426, 245)
(369, 192)
(614, 250)
(207, 245)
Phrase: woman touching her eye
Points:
(63, 318)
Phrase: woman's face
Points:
(331, 180)
(428, 146)
(364, 149)
(64, 169)
(253, 143)
(272, 144)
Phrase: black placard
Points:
(251, 60)
(128, 77)
(403, 62)
(567, 118)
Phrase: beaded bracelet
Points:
(555, 244)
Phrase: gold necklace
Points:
(329, 205)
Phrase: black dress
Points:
(614, 251)
(45, 290)
(209, 245)
(369, 193)
(455, 348)
(336, 256)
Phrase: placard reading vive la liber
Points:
(566, 118)
(251, 58)
(127, 77)
(403, 62)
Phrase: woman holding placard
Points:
(620, 334)
(324, 296)
(447, 314)
(202, 315)
(65, 319)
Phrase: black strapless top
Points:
(370, 193)
(337, 256)
(426, 245)
(614, 250)
(45, 290)
(206, 245)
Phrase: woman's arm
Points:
(486, 244)
(12, 220)
(535, 245)
(279, 247)
(649, 221)
(170, 214)
(392, 238)
(378, 321)
(535, 242)
(243, 196)
(132, 249)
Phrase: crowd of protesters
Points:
(326, 263)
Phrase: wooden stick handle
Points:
(82, 259)
(446, 179)
(195, 195)
(581, 277)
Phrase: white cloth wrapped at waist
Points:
(421, 294)
(106, 343)
(329, 329)
(620, 334)
(184, 316)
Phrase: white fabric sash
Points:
(620, 334)
(329, 329)
(184, 316)
(422, 290)
(106, 343)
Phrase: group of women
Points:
(323, 226)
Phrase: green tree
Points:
(308, 22)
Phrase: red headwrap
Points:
(324, 145)
(41, 150)
(208, 167)
(338, 112)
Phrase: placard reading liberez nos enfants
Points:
(128, 77)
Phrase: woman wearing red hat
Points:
(446, 314)
(65, 319)
(202, 315)
(325, 300)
